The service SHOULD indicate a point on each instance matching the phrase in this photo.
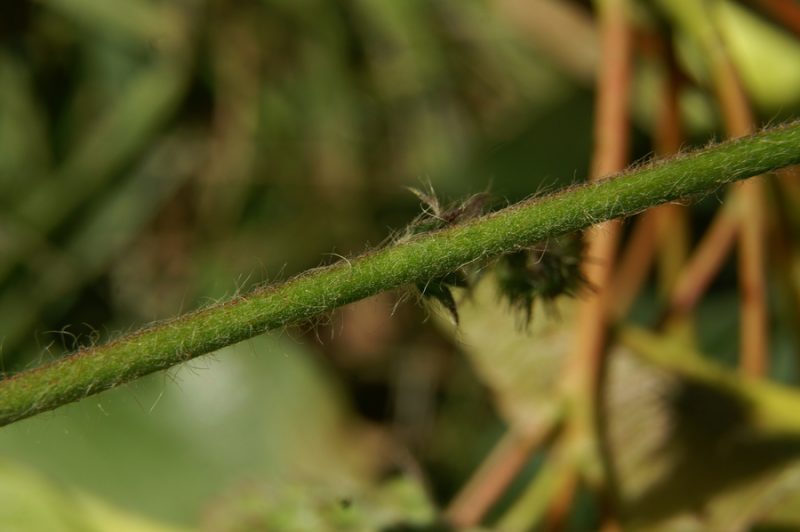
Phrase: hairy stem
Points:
(422, 257)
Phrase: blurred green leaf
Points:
(394, 504)
(166, 446)
(24, 150)
(766, 57)
(520, 365)
(31, 503)
(696, 447)
(140, 22)
(58, 274)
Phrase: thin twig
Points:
(748, 222)
(662, 231)
(612, 139)
(493, 477)
(585, 368)
(739, 121)
(705, 262)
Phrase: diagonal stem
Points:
(426, 256)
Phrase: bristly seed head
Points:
(436, 217)
(540, 272)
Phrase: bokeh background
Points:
(156, 156)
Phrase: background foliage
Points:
(157, 155)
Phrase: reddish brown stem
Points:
(635, 263)
(493, 477)
(562, 31)
(742, 216)
(558, 513)
(705, 262)
(611, 137)
(584, 370)
(785, 12)
(663, 230)
(739, 122)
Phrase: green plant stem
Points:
(417, 259)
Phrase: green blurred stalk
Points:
(131, 22)
(423, 257)
(115, 222)
(773, 409)
(127, 128)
